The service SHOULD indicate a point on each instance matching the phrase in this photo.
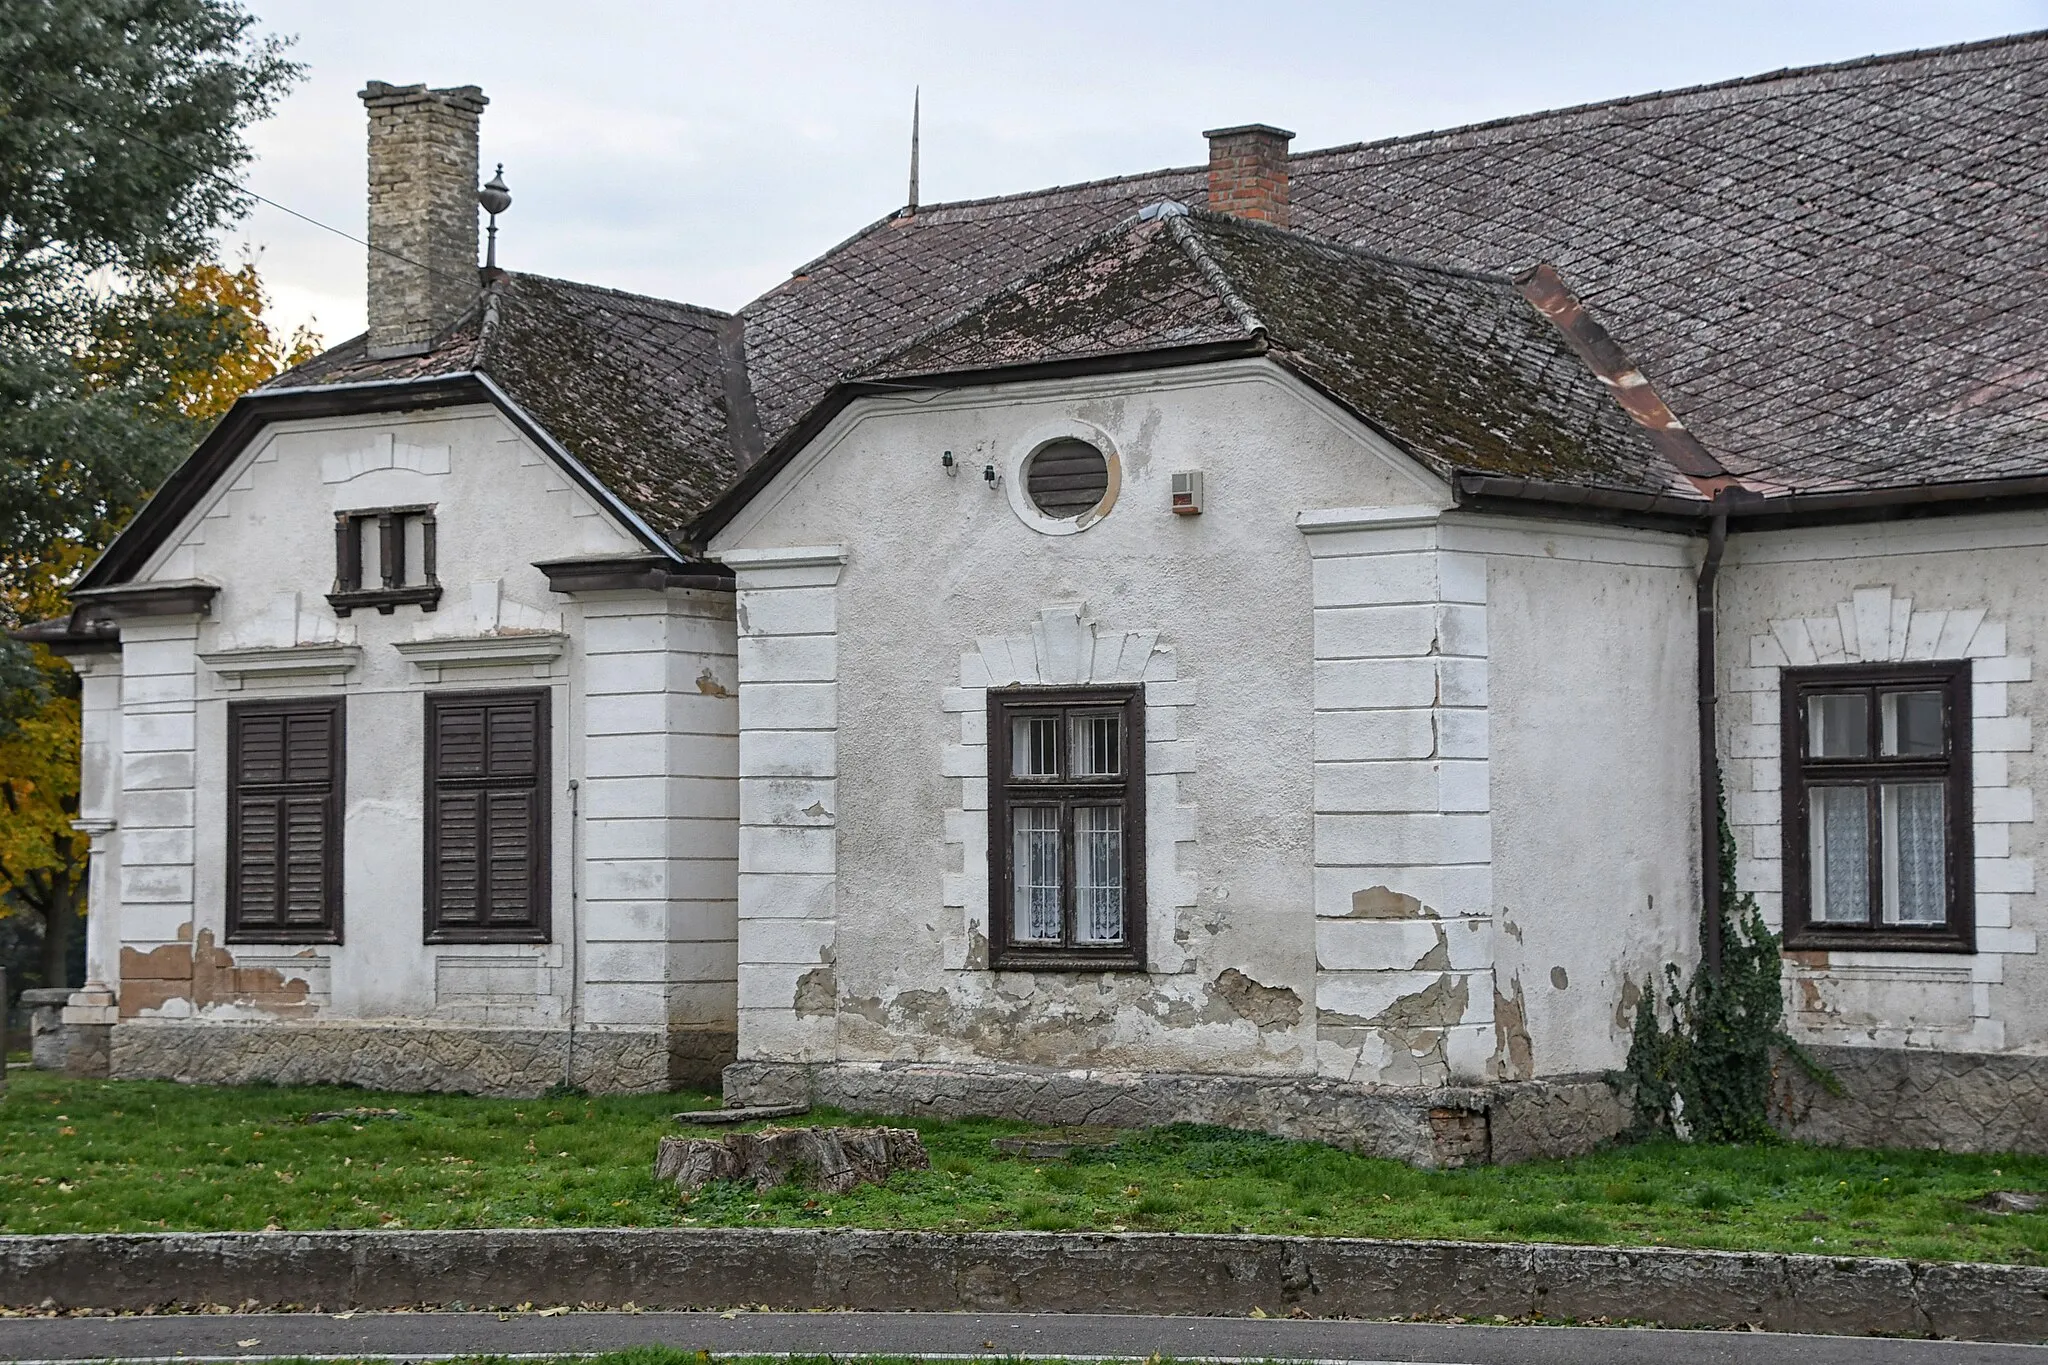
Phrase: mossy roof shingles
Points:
(1836, 277)
(1458, 369)
(631, 386)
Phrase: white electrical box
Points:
(1187, 493)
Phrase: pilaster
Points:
(1403, 830)
(788, 799)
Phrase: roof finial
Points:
(916, 97)
(495, 199)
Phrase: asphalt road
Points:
(420, 1335)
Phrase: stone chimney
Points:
(1248, 172)
(423, 179)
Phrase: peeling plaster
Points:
(1438, 958)
(185, 978)
(1267, 1006)
(816, 993)
(1514, 1058)
(1625, 1007)
(1381, 902)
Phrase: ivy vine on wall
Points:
(1706, 1075)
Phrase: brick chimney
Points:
(1248, 172)
(423, 179)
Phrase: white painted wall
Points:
(940, 576)
(1595, 761)
(1951, 587)
(643, 719)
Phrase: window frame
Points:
(1800, 773)
(329, 931)
(349, 593)
(1005, 792)
(541, 927)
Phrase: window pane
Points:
(1912, 724)
(1036, 854)
(1840, 856)
(1098, 745)
(1838, 726)
(370, 546)
(415, 529)
(1915, 853)
(1034, 746)
(1099, 873)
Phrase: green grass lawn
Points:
(137, 1156)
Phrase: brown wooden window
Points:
(487, 817)
(1067, 828)
(1877, 807)
(399, 542)
(285, 768)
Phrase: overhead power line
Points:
(242, 189)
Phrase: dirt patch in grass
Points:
(140, 1156)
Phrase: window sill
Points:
(475, 936)
(426, 597)
(1810, 939)
(296, 937)
(1064, 960)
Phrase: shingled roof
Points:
(1836, 276)
(633, 387)
(1458, 368)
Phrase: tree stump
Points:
(833, 1160)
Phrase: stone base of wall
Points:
(1896, 1097)
(1451, 1126)
(88, 1051)
(477, 1061)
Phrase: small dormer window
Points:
(384, 558)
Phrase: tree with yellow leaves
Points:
(195, 340)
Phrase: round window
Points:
(1066, 478)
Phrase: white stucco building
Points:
(1230, 643)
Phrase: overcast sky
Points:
(701, 151)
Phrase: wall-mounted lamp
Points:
(988, 475)
(946, 460)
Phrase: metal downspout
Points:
(1710, 765)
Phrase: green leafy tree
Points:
(121, 133)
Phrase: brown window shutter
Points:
(285, 764)
(487, 799)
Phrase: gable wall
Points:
(944, 591)
(642, 718)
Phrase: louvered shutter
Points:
(487, 817)
(285, 763)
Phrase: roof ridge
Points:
(1019, 195)
(1784, 73)
(1181, 226)
(610, 292)
(1016, 286)
(1330, 244)
(1400, 139)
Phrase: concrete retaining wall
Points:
(1426, 1126)
(1025, 1272)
